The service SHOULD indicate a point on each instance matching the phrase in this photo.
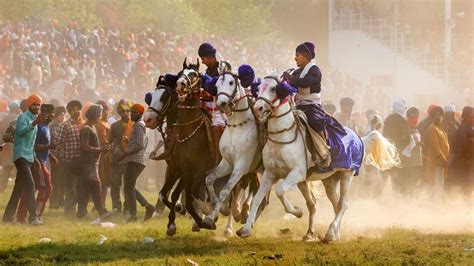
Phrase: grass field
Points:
(76, 242)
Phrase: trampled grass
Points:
(75, 241)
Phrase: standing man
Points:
(345, 116)
(119, 134)
(103, 132)
(396, 129)
(40, 171)
(6, 161)
(89, 161)
(70, 141)
(23, 157)
(57, 176)
(438, 151)
(135, 160)
(413, 170)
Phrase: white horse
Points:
(238, 144)
(285, 157)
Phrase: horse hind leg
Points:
(306, 191)
(224, 168)
(333, 232)
(254, 184)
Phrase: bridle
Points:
(275, 99)
(190, 86)
(232, 101)
(273, 108)
(162, 113)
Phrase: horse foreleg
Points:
(293, 178)
(189, 205)
(171, 228)
(267, 183)
(224, 168)
(209, 221)
(333, 232)
(170, 181)
(310, 203)
(228, 229)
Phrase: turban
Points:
(436, 110)
(450, 108)
(33, 99)
(14, 105)
(399, 107)
(307, 50)
(246, 75)
(3, 106)
(94, 112)
(206, 50)
(73, 104)
(124, 104)
(139, 108)
(431, 107)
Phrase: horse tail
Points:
(380, 151)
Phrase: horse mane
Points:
(274, 74)
(380, 151)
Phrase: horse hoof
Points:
(309, 238)
(228, 232)
(225, 210)
(298, 212)
(237, 217)
(328, 238)
(208, 223)
(171, 231)
(195, 227)
(243, 233)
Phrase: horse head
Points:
(267, 99)
(227, 91)
(189, 81)
(159, 103)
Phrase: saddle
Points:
(316, 145)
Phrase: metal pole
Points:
(447, 38)
(394, 40)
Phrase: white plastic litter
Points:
(107, 225)
(102, 239)
(44, 240)
(96, 221)
(148, 240)
(191, 262)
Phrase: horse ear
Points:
(197, 63)
(185, 65)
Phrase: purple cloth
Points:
(350, 155)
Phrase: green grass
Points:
(75, 242)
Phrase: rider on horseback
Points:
(207, 53)
(306, 80)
